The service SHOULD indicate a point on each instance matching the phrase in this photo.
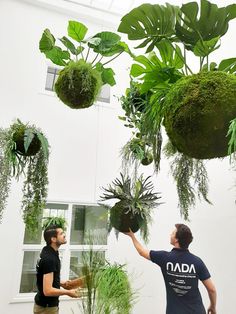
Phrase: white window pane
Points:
(77, 225)
(88, 222)
(50, 81)
(28, 275)
(105, 94)
(79, 258)
(96, 224)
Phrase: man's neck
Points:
(54, 246)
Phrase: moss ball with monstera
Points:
(199, 109)
(78, 85)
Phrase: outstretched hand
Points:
(129, 233)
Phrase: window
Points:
(82, 220)
(52, 75)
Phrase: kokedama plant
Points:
(80, 80)
(136, 201)
(25, 151)
(198, 110)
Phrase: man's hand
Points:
(211, 310)
(74, 293)
(129, 233)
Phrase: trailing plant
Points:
(57, 221)
(107, 286)
(136, 201)
(25, 151)
(83, 73)
(195, 109)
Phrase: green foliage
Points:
(25, 150)
(150, 22)
(203, 29)
(232, 141)
(57, 221)
(108, 288)
(78, 85)
(196, 109)
(190, 176)
(104, 45)
(136, 200)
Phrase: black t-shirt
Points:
(48, 262)
(181, 271)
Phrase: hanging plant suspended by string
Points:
(82, 76)
(197, 110)
(136, 201)
(25, 152)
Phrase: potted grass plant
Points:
(106, 287)
(196, 109)
(135, 203)
(25, 151)
(83, 73)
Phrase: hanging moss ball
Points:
(78, 85)
(148, 159)
(19, 137)
(122, 220)
(198, 111)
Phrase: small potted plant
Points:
(197, 110)
(136, 201)
(25, 151)
(81, 78)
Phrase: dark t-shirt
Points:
(181, 271)
(48, 262)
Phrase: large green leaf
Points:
(57, 55)
(69, 45)
(171, 55)
(47, 41)
(107, 74)
(150, 22)
(76, 30)
(204, 48)
(28, 137)
(200, 26)
(153, 72)
(44, 144)
(108, 45)
(228, 65)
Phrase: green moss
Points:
(198, 111)
(78, 85)
(122, 219)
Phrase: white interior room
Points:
(85, 156)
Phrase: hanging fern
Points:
(191, 178)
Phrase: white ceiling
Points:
(117, 7)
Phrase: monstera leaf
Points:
(150, 22)
(108, 45)
(203, 30)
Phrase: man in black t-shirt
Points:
(48, 273)
(181, 271)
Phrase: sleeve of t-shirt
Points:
(158, 257)
(203, 272)
(47, 265)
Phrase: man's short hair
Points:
(183, 235)
(49, 232)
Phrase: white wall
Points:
(84, 156)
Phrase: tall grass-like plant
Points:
(194, 108)
(107, 286)
(25, 151)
